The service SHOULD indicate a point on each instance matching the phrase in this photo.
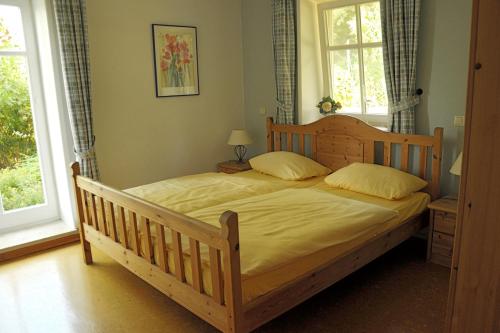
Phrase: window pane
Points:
(11, 29)
(20, 179)
(341, 26)
(371, 27)
(375, 90)
(344, 66)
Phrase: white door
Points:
(27, 188)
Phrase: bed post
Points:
(87, 252)
(270, 136)
(232, 272)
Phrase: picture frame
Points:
(175, 50)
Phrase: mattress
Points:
(190, 193)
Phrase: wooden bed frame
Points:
(334, 141)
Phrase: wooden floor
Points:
(56, 292)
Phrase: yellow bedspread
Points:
(279, 227)
(189, 193)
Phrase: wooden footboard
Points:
(103, 214)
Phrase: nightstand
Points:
(443, 217)
(233, 166)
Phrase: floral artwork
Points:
(176, 64)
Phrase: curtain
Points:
(400, 22)
(73, 40)
(285, 59)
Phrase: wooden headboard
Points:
(337, 141)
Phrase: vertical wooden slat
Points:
(405, 156)
(302, 144)
(422, 172)
(270, 134)
(102, 217)
(387, 153)
(178, 257)
(277, 141)
(89, 207)
(85, 207)
(289, 141)
(194, 246)
(162, 247)
(93, 212)
(136, 242)
(314, 146)
(216, 275)
(122, 227)
(146, 236)
(111, 220)
(369, 152)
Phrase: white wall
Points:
(141, 138)
(259, 82)
(442, 73)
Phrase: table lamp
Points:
(239, 138)
(456, 168)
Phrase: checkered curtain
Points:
(285, 55)
(400, 21)
(73, 41)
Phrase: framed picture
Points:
(175, 60)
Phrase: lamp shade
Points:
(456, 168)
(239, 137)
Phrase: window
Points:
(353, 68)
(27, 188)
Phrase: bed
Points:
(200, 265)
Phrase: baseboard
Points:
(39, 245)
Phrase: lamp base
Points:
(240, 151)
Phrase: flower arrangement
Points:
(175, 59)
(328, 106)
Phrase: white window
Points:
(353, 69)
(27, 188)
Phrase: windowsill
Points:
(374, 120)
(14, 240)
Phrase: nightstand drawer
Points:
(441, 260)
(443, 240)
(444, 222)
(442, 249)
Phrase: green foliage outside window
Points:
(17, 138)
(21, 186)
(20, 180)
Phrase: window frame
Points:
(49, 210)
(379, 120)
